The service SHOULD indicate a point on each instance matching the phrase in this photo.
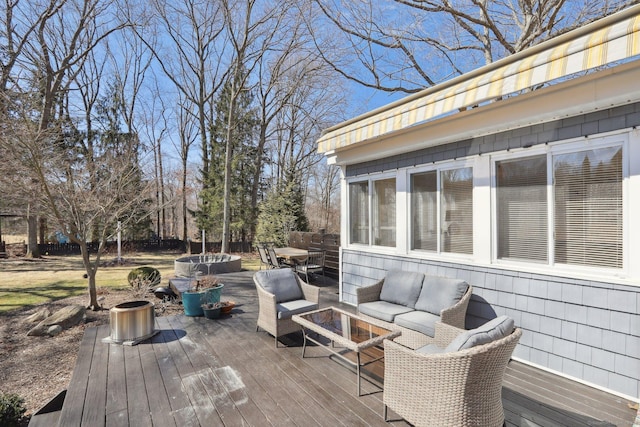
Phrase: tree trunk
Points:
(91, 276)
(32, 234)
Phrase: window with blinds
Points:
(456, 210)
(588, 207)
(521, 209)
(359, 212)
(384, 212)
(424, 211)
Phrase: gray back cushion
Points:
(281, 282)
(493, 330)
(439, 293)
(401, 287)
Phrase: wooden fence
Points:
(320, 241)
(112, 247)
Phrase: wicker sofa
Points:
(454, 381)
(413, 302)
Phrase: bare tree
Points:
(190, 55)
(407, 45)
(251, 31)
(187, 136)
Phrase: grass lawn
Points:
(25, 282)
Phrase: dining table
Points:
(292, 255)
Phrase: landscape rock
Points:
(54, 330)
(66, 317)
(39, 315)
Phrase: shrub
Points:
(144, 278)
(12, 409)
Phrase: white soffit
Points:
(609, 40)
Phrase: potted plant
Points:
(207, 289)
(212, 310)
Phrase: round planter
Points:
(213, 294)
(192, 303)
(210, 312)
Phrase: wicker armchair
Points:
(277, 303)
(462, 388)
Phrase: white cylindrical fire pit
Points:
(132, 322)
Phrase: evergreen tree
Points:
(281, 212)
(210, 215)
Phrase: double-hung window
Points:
(372, 212)
(561, 207)
(442, 211)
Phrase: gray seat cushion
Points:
(430, 349)
(420, 321)
(439, 293)
(382, 310)
(280, 282)
(401, 287)
(287, 309)
(493, 330)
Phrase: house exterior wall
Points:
(586, 327)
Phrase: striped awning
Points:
(609, 40)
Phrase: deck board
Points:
(202, 372)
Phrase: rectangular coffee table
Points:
(345, 329)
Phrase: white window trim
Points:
(551, 150)
(370, 179)
(438, 167)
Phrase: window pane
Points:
(384, 212)
(588, 207)
(359, 212)
(424, 211)
(522, 209)
(456, 213)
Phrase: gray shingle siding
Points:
(585, 329)
(572, 127)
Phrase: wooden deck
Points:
(205, 372)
